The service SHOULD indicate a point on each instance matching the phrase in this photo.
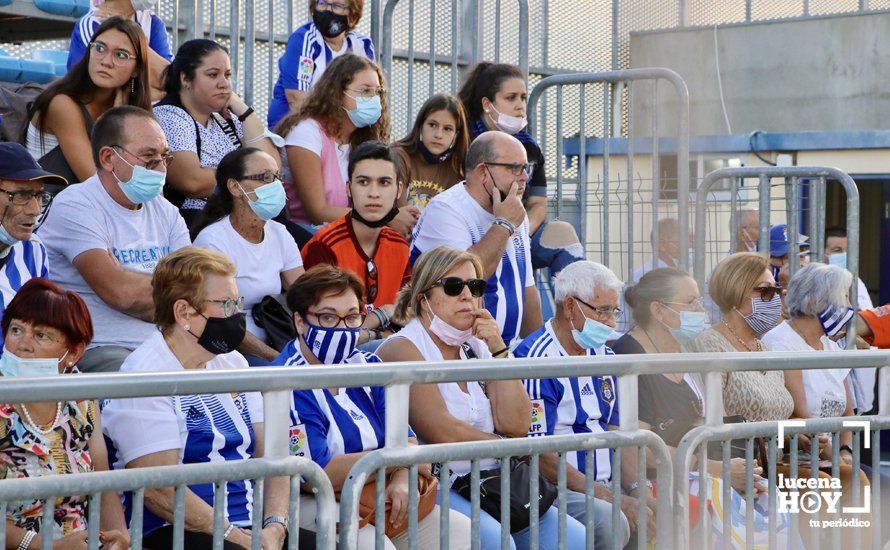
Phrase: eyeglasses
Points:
(514, 168)
(697, 302)
(371, 269)
(266, 177)
(21, 198)
(453, 286)
(767, 292)
(331, 320)
(229, 306)
(369, 93)
(602, 311)
(338, 7)
(152, 162)
(100, 50)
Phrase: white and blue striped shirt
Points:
(305, 59)
(23, 261)
(570, 405)
(324, 425)
(203, 428)
(454, 218)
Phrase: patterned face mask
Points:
(765, 315)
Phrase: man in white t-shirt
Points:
(485, 216)
(105, 236)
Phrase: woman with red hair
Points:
(46, 330)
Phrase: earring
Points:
(133, 85)
(187, 327)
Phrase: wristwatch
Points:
(506, 224)
(275, 519)
(636, 485)
(846, 448)
(243, 116)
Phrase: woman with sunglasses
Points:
(337, 426)
(445, 321)
(361, 242)
(237, 221)
(114, 72)
(200, 323)
(495, 98)
(743, 287)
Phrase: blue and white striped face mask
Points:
(331, 345)
(765, 315)
(834, 318)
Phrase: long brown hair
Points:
(78, 85)
(325, 106)
(441, 102)
(484, 81)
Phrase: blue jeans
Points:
(490, 528)
(553, 258)
(576, 506)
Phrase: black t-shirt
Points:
(671, 408)
(537, 184)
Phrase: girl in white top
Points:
(237, 221)
(447, 322)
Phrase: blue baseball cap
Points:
(17, 164)
(778, 241)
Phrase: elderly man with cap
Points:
(778, 252)
(23, 202)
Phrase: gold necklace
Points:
(757, 344)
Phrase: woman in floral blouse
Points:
(45, 332)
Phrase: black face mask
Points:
(430, 157)
(494, 185)
(222, 334)
(330, 24)
(390, 216)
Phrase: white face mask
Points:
(449, 335)
(507, 123)
(140, 5)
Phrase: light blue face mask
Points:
(839, 259)
(6, 238)
(13, 365)
(367, 111)
(593, 334)
(270, 199)
(143, 185)
(692, 323)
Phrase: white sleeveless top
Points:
(473, 407)
(32, 142)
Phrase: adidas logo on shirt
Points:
(356, 416)
(587, 390)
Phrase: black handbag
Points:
(520, 495)
(273, 316)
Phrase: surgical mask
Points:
(834, 318)
(141, 5)
(507, 123)
(222, 334)
(692, 323)
(144, 185)
(839, 259)
(270, 199)
(750, 244)
(390, 216)
(13, 365)
(431, 158)
(449, 335)
(764, 315)
(367, 111)
(593, 334)
(6, 238)
(331, 345)
(330, 24)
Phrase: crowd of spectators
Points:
(183, 216)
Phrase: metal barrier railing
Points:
(698, 439)
(180, 476)
(378, 461)
(612, 110)
(466, 44)
(276, 383)
(793, 176)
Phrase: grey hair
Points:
(481, 150)
(815, 287)
(582, 278)
(665, 226)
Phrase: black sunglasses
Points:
(371, 270)
(453, 286)
(767, 292)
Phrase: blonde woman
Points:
(444, 319)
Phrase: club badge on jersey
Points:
(607, 390)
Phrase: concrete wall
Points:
(818, 74)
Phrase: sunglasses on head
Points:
(453, 286)
(767, 292)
